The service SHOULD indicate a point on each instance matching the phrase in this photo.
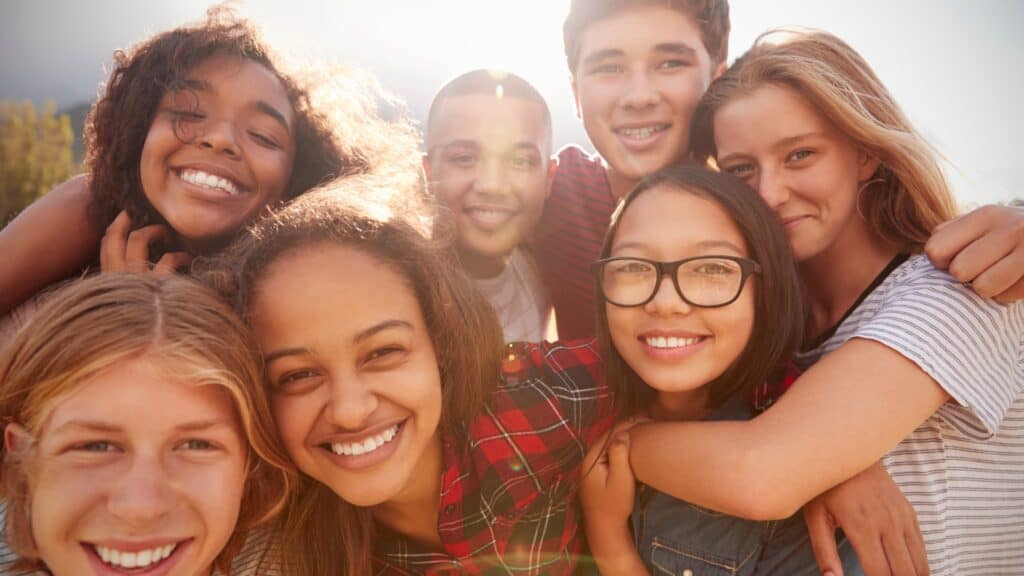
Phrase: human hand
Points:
(984, 247)
(877, 519)
(608, 487)
(125, 250)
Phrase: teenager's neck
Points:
(480, 266)
(681, 405)
(837, 277)
(414, 511)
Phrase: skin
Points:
(489, 163)
(165, 464)
(234, 122)
(651, 229)
(348, 360)
(641, 68)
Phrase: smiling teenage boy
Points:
(489, 162)
(638, 70)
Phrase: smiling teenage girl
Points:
(383, 367)
(915, 368)
(145, 447)
(702, 309)
(197, 132)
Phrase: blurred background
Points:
(956, 66)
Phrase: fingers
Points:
(899, 557)
(986, 248)
(113, 243)
(822, 532)
(1012, 294)
(136, 253)
(1002, 278)
(918, 554)
(620, 475)
(171, 262)
(951, 237)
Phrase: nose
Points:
(219, 136)
(351, 403)
(143, 495)
(772, 188)
(640, 91)
(492, 177)
(667, 301)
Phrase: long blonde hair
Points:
(95, 323)
(911, 196)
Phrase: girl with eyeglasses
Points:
(702, 308)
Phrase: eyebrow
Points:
(101, 426)
(781, 143)
(675, 48)
(703, 244)
(475, 145)
(664, 47)
(261, 105)
(365, 334)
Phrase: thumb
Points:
(620, 475)
(823, 539)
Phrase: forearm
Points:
(839, 418)
(614, 551)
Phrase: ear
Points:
(552, 170)
(868, 166)
(16, 438)
(575, 95)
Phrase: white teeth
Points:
(670, 342)
(366, 446)
(489, 215)
(640, 132)
(139, 559)
(200, 178)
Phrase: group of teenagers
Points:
(310, 349)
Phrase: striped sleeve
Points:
(971, 346)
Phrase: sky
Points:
(956, 66)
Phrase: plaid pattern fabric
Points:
(508, 497)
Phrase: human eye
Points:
(715, 268)
(672, 63)
(630, 267)
(741, 171)
(95, 447)
(463, 159)
(198, 445)
(296, 381)
(524, 161)
(605, 68)
(798, 155)
(264, 140)
(384, 356)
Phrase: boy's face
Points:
(489, 162)
(640, 74)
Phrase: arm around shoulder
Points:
(49, 241)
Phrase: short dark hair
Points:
(779, 308)
(712, 16)
(484, 81)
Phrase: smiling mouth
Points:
(489, 217)
(209, 181)
(669, 342)
(367, 445)
(135, 561)
(641, 133)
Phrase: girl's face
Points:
(674, 347)
(804, 168)
(355, 387)
(136, 469)
(231, 155)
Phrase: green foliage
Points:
(35, 154)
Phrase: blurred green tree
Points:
(35, 154)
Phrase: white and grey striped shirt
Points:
(963, 468)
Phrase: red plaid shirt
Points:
(508, 495)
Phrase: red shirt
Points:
(508, 492)
(569, 236)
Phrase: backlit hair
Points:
(912, 196)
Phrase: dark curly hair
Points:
(119, 122)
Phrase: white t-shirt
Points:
(963, 468)
(519, 298)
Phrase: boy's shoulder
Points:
(575, 163)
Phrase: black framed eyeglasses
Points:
(703, 281)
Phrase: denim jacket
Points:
(678, 538)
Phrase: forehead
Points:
(240, 80)
(670, 223)
(325, 293)
(489, 120)
(142, 393)
(776, 112)
(639, 30)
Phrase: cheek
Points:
(294, 416)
